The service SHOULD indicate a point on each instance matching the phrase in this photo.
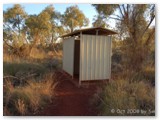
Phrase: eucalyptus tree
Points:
(39, 27)
(14, 27)
(74, 18)
(134, 26)
(45, 27)
(99, 21)
(55, 19)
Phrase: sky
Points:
(87, 9)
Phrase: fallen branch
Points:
(101, 99)
(31, 75)
(10, 76)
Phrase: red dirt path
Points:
(71, 101)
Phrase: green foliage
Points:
(57, 29)
(15, 15)
(44, 27)
(14, 19)
(38, 25)
(14, 26)
(105, 9)
(21, 30)
(99, 22)
(13, 68)
(74, 18)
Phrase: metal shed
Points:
(87, 54)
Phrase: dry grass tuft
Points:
(28, 99)
(122, 94)
(21, 107)
(28, 80)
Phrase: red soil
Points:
(70, 100)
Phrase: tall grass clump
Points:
(122, 97)
(28, 99)
(20, 106)
(149, 74)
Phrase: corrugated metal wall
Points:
(68, 55)
(95, 57)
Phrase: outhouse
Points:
(87, 54)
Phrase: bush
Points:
(14, 96)
(28, 80)
(28, 99)
(117, 57)
(13, 68)
(37, 53)
(149, 75)
(13, 64)
(121, 97)
(116, 68)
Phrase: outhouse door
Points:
(76, 58)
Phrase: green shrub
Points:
(13, 68)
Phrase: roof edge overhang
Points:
(101, 31)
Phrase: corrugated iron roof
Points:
(91, 31)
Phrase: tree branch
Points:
(124, 9)
(9, 27)
(148, 25)
(128, 8)
(120, 10)
(115, 18)
(10, 76)
(7, 44)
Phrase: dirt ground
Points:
(71, 101)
